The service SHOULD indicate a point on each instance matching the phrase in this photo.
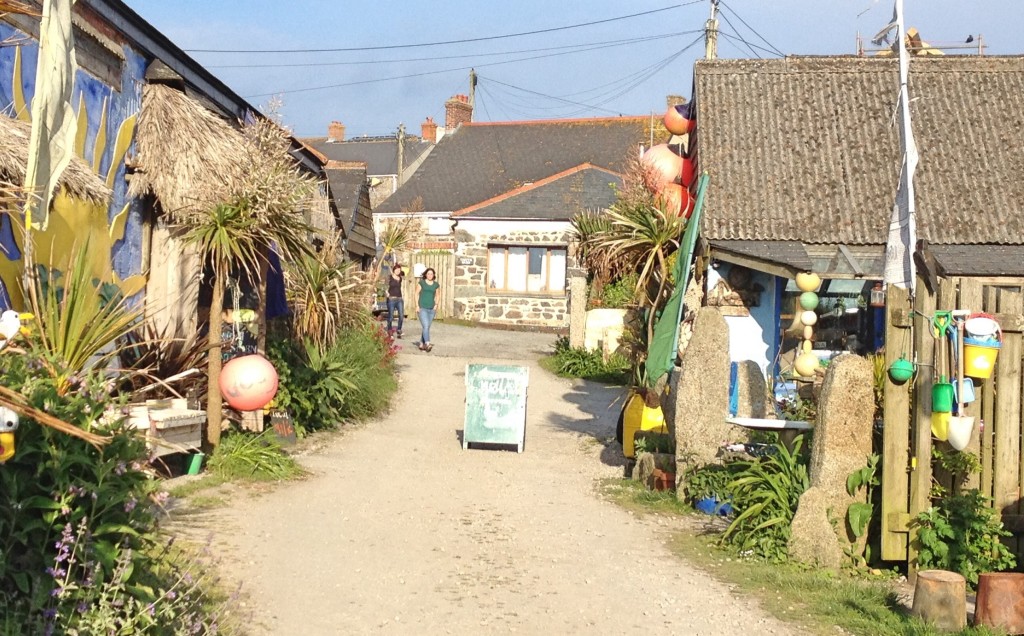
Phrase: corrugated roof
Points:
(379, 153)
(348, 190)
(807, 148)
(480, 161)
(557, 198)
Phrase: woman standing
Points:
(428, 300)
(395, 301)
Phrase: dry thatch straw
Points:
(78, 179)
(188, 156)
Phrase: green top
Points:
(428, 292)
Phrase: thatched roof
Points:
(187, 155)
(78, 179)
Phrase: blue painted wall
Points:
(754, 337)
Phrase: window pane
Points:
(537, 260)
(557, 264)
(518, 264)
(496, 268)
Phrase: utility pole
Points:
(401, 153)
(472, 93)
(711, 33)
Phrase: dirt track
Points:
(400, 531)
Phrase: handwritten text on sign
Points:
(495, 404)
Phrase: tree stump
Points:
(940, 599)
(1000, 601)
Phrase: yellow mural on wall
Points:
(76, 222)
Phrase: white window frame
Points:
(546, 269)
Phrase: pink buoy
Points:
(248, 383)
(676, 122)
(674, 199)
(663, 166)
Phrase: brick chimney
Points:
(336, 131)
(457, 111)
(674, 100)
(428, 130)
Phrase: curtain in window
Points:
(518, 267)
(496, 268)
(557, 264)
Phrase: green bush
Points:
(709, 482)
(249, 456)
(572, 362)
(621, 293)
(77, 521)
(765, 493)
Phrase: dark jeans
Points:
(396, 304)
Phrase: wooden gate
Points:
(907, 472)
(443, 263)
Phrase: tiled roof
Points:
(808, 149)
(480, 161)
(556, 198)
(379, 153)
(347, 188)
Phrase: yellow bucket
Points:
(639, 417)
(980, 357)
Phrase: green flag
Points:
(661, 353)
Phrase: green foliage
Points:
(620, 293)
(879, 376)
(961, 533)
(860, 513)
(250, 456)
(799, 410)
(572, 362)
(325, 292)
(765, 494)
(960, 465)
(351, 379)
(710, 481)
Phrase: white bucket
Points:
(981, 328)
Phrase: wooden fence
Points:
(444, 266)
(907, 472)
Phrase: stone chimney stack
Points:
(428, 130)
(457, 111)
(674, 100)
(336, 131)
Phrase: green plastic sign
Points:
(495, 405)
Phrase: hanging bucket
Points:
(981, 327)
(942, 396)
(980, 357)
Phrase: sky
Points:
(619, 66)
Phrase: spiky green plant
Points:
(325, 293)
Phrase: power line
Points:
(774, 48)
(457, 57)
(749, 44)
(749, 48)
(463, 41)
(424, 73)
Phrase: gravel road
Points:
(398, 530)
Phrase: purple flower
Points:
(171, 594)
(130, 504)
(121, 468)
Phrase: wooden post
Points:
(946, 301)
(970, 299)
(921, 467)
(895, 431)
(1006, 458)
(988, 407)
(940, 599)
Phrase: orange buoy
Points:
(663, 165)
(674, 199)
(676, 121)
(248, 382)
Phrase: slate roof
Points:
(480, 161)
(557, 198)
(807, 149)
(347, 187)
(380, 154)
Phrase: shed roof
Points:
(380, 154)
(807, 148)
(480, 161)
(559, 197)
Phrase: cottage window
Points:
(532, 270)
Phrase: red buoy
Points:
(674, 199)
(663, 166)
(676, 121)
(248, 383)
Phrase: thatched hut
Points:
(78, 180)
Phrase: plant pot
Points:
(713, 506)
(663, 481)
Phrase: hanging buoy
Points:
(807, 281)
(809, 301)
(687, 173)
(663, 166)
(808, 318)
(248, 383)
(676, 121)
(806, 364)
(674, 199)
(901, 370)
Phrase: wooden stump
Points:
(1000, 601)
(940, 599)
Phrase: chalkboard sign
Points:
(495, 405)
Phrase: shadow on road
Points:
(599, 406)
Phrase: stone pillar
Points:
(842, 444)
(577, 307)
(702, 392)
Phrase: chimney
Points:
(428, 130)
(336, 131)
(457, 111)
(674, 100)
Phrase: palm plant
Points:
(325, 292)
(261, 210)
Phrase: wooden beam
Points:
(895, 434)
(1008, 322)
(776, 269)
(971, 296)
(921, 435)
(1006, 458)
(850, 258)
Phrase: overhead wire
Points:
(749, 44)
(436, 72)
(447, 42)
(749, 48)
(649, 38)
(774, 48)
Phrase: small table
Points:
(788, 429)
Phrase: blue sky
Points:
(632, 65)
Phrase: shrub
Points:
(572, 362)
(251, 456)
(710, 481)
(620, 293)
(765, 494)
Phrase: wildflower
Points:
(130, 504)
(121, 468)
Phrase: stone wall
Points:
(472, 300)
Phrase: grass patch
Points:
(569, 362)
(191, 487)
(818, 600)
(244, 456)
